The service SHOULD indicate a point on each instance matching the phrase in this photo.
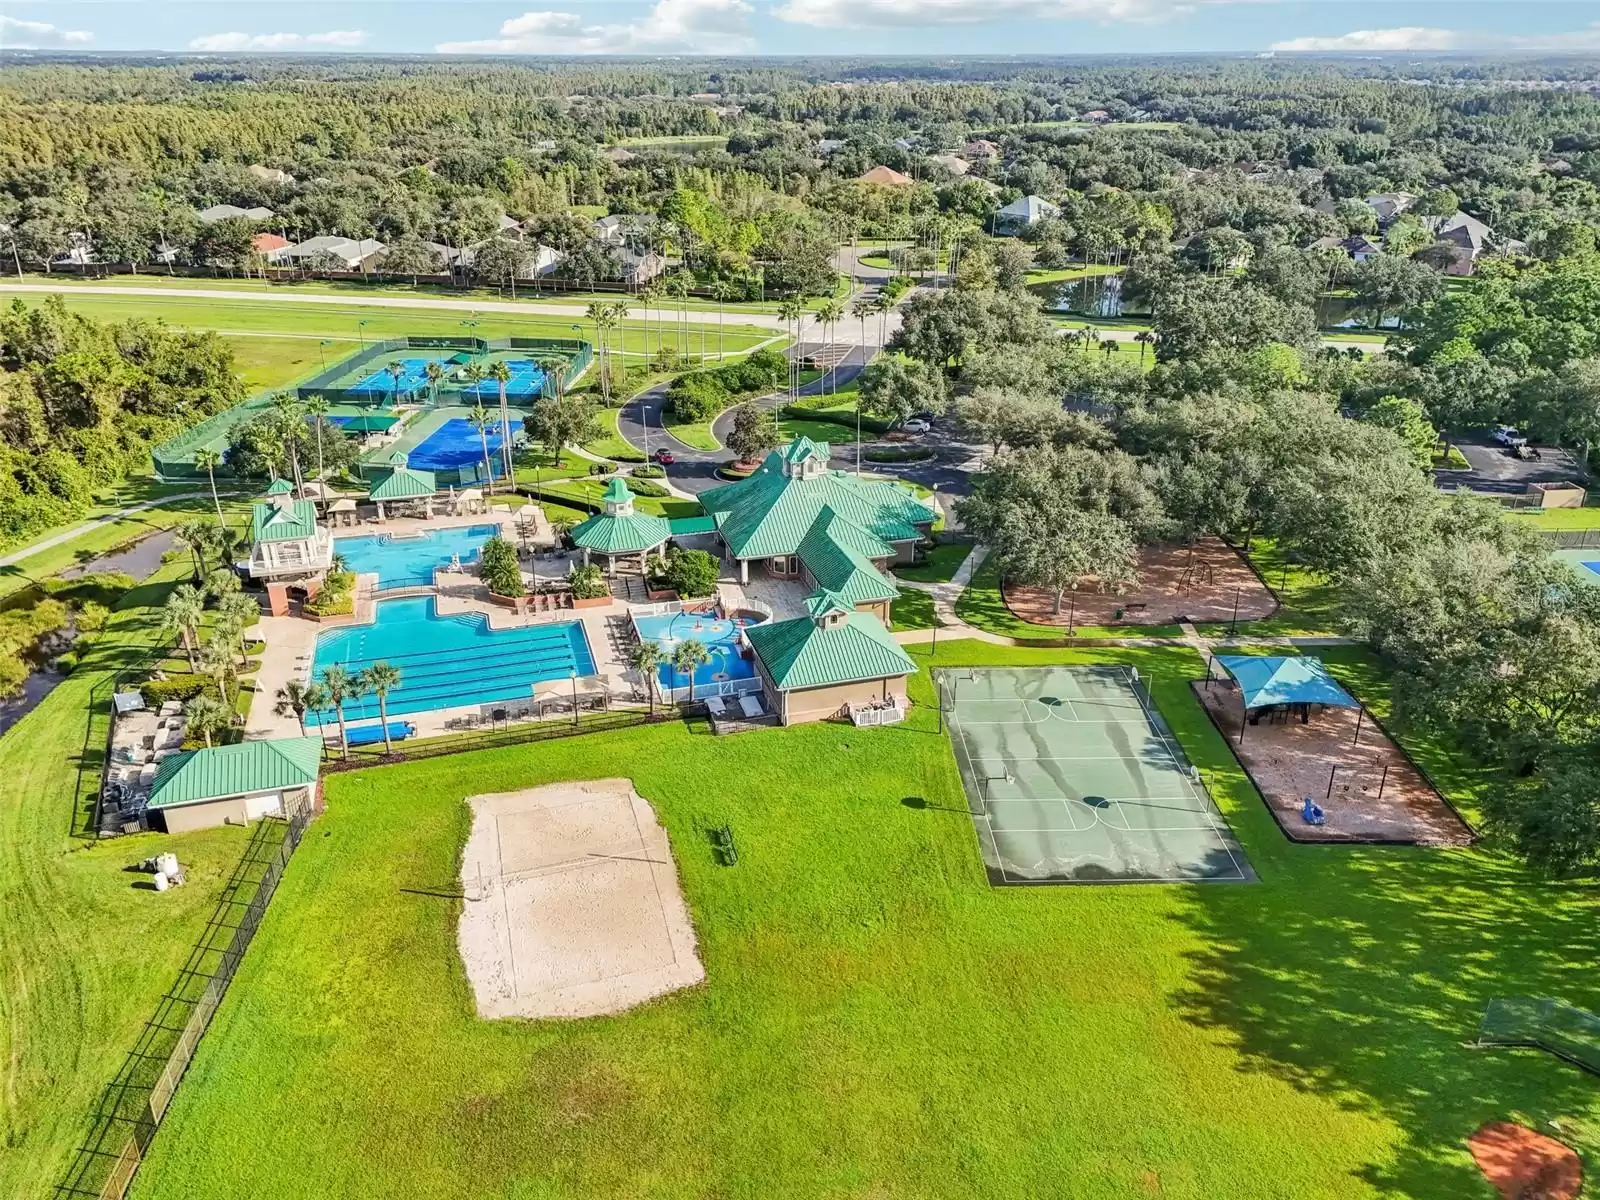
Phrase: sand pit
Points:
(1525, 1165)
(1175, 583)
(573, 907)
(1377, 794)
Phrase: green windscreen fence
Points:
(1538, 1021)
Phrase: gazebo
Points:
(1293, 682)
(280, 487)
(401, 483)
(619, 531)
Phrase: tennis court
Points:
(456, 443)
(1073, 777)
(526, 380)
(1585, 562)
(412, 379)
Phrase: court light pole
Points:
(361, 337)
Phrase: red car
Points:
(664, 457)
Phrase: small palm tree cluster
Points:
(337, 687)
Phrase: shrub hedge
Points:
(701, 395)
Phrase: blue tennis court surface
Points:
(456, 444)
(1585, 562)
(526, 380)
(413, 379)
(449, 661)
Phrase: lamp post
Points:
(361, 337)
(322, 349)
(1233, 624)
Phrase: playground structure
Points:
(386, 375)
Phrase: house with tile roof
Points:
(235, 784)
(286, 543)
(831, 660)
(1466, 239)
(885, 177)
(618, 532)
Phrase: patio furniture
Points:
(750, 705)
(716, 707)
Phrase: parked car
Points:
(664, 457)
(916, 425)
(1508, 436)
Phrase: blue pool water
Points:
(717, 633)
(456, 444)
(401, 561)
(449, 661)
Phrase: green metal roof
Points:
(802, 654)
(770, 513)
(617, 492)
(803, 448)
(830, 551)
(370, 423)
(279, 522)
(403, 483)
(822, 602)
(279, 487)
(198, 775)
(682, 526)
(630, 534)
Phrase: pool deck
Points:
(291, 642)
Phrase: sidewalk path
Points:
(76, 531)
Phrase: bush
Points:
(499, 568)
(649, 471)
(329, 603)
(701, 395)
(588, 583)
(898, 454)
(179, 687)
(643, 487)
(690, 573)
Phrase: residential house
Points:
(885, 177)
(1096, 116)
(955, 166)
(618, 228)
(352, 254)
(1469, 239)
(232, 212)
(1389, 206)
(269, 247)
(637, 267)
(79, 252)
(270, 175)
(827, 146)
(618, 155)
(234, 785)
(1019, 214)
(980, 150)
(1357, 247)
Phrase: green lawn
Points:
(591, 490)
(1556, 519)
(691, 433)
(877, 1020)
(611, 444)
(982, 606)
(790, 428)
(85, 950)
(1309, 604)
(1065, 274)
(942, 562)
(912, 609)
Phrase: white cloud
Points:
(864, 14)
(686, 26)
(1418, 37)
(37, 35)
(224, 43)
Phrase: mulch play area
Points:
(1197, 583)
(1377, 795)
(1525, 1165)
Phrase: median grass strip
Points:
(875, 1015)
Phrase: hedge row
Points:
(701, 395)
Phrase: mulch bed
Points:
(1175, 583)
(1377, 794)
(1524, 1164)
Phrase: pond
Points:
(1340, 312)
(1091, 296)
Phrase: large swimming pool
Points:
(449, 661)
(718, 633)
(401, 561)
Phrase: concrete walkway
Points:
(77, 531)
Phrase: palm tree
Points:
(317, 409)
(216, 656)
(395, 370)
(645, 658)
(792, 311)
(380, 679)
(239, 612)
(830, 314)
(619, 312)
(689, 655)
(182, 615)
(554, 368)
(1145, 338)
(199, 537)
(720, 291)
(434, 370)
(483, 422)
(206, 715)
(652, 293)
(208, 460)
(861, 310)
(339, 685)
(298, 698)
(605, 320)
(291, 423)
(500, 372)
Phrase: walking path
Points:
(77, 531)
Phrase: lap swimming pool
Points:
(714, 630)
(449, 661)
(411, 561)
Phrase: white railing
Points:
(760, 607)
(876, 714)
(727, 687)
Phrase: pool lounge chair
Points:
(716, 707)
(750, 705)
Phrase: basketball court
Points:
(1071, 776)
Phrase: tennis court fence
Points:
(1573, 539)
(1546, 1024)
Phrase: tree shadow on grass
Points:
(1365, 981)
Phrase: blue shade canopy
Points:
(1284, 680)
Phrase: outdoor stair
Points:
(630, 588)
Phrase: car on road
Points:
(664, 457)
(1508, 436)
(916, 425)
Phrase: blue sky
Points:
(800, 26)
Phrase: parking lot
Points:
(1495, 469)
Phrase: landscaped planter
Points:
(592, 602)
(659, 597)
(514, 602)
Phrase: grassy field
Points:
(1557, 519)
(876, 1019)
(691, 433)
(942, 563)
(86, 948)
(611, 444)
(590, 491)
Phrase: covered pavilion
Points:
(1289, 682)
